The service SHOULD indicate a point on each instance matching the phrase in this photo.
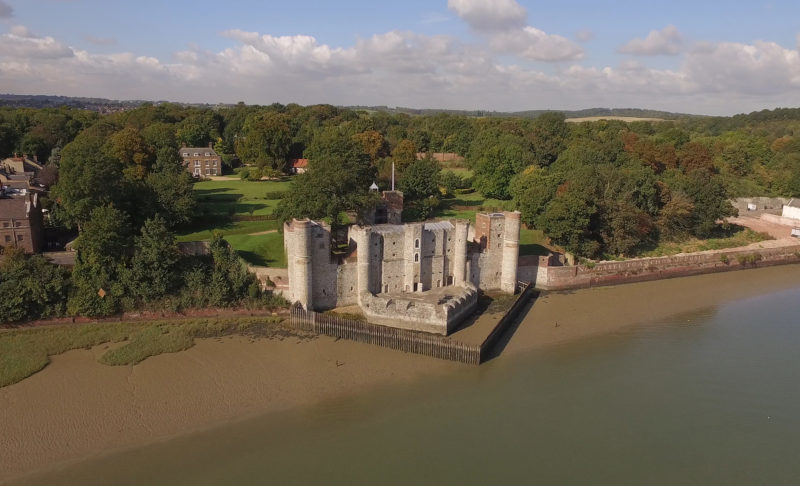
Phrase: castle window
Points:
(416, 257)
(416, 243)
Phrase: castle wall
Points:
(410, 313)
(391, 260)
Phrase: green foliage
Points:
(420, 179)
(496, 162)
(30, 286)
(101, 250)
(338, 180)
(152, 269)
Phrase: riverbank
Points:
(77, 408)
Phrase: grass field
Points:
(222, 204)
(23, 352)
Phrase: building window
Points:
(5, 225)
(19, 237)
(416, 243)
(197, 171)
(197, 154)
(208, 154)
(416, 257)
(197, 163)
(208, 171)
(208, 163)
(8, 239)
(214, 171)
(186, 154)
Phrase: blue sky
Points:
(692, 56)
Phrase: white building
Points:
(792, 209)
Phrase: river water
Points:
(707, 398)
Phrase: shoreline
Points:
(85, 409)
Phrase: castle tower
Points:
(508, 277)
(413, 257)
(460, 253)
(362, 237)
(300, 279)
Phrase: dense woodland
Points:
(597, 189)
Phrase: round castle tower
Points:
(460, 260)
(301, 280)
(362, 237)
(508, 276)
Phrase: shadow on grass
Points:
(254, 258)
(533, 249)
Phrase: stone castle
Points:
(421, 276)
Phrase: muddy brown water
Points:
(704, 397)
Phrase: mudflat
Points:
(77, 408)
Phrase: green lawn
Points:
(221, 203)
(459, 171)
(239, 197)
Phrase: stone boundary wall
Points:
(762, 203)
(643, 269)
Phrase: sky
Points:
(703, 57)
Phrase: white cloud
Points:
(490, 15)
(503, 23)
(408, 69)
(19, 42)
(6, 12)
(667, 41)
(759, 68)
(532, 43)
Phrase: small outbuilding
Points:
(792, 209)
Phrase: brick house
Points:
(21, 222)
(201, 161)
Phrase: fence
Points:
(426, 344)
(389, 337)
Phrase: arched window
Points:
(416, 243)
(416, 257)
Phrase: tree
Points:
(30, 286)
(229, 278)
(129, 147)
(549, 137)
(372, 143)
(420, 179)
(532, 190)
(101, 256)
(152, 270)
(338, 179)
(404, 154)
(88, 176)
(497, 164)
(567, 220)
(266, 140)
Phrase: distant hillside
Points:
(586, 113)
